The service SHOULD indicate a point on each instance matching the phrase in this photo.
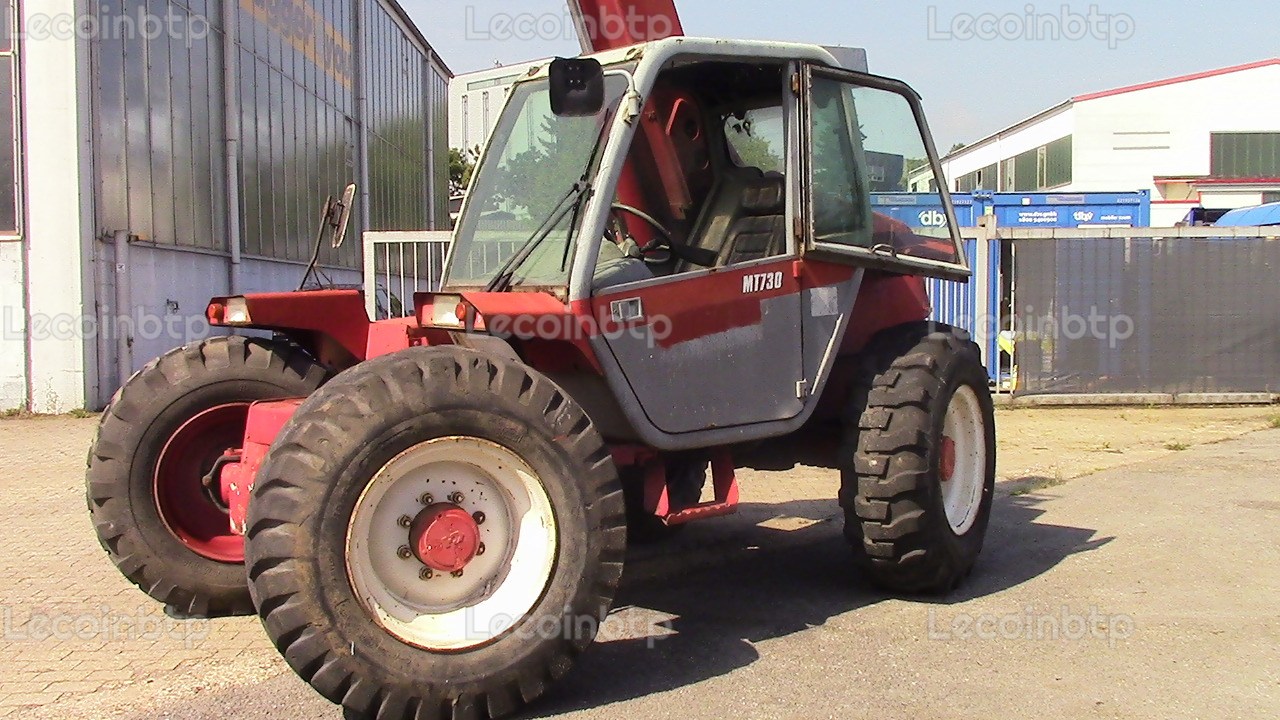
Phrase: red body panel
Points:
(265, 422)
(885, 301)
(611, 24)
(706, 305)
(332, 324)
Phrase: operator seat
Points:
(760, 231)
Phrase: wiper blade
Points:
(502, 281)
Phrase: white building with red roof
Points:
(1209, 140)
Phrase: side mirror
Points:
(344, 216)
(577, 87)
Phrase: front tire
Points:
(161, 433)
(392, 446)
(918, 461)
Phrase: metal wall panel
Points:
(155, 113)
(298, 116)
(159, 124)
(1175, 315)
(396, 82)
(159, 144)
(956, 303)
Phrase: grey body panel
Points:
(821, 319)
(710, 436)
(850, 58)
(741, 376)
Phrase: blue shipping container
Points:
(1043, 210)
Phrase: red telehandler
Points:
(668, 266)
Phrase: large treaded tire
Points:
(133, 431)
(891, 490)
(315, 476)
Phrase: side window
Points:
(841, 207)
(867, 143)
(757, 139)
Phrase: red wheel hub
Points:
(947, 463)
(444, 537)
(186, 506)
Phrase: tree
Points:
(462, 164)
(754, 150)
(957, 147)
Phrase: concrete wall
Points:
(58, 208)
(13, 344)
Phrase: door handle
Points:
(626, 310)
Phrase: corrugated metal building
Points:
(164, 152)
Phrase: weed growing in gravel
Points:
(1026, 486)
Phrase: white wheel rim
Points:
(964, 431)
(496, 589)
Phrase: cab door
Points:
(713, 349)
(721, 347)
(865, 138)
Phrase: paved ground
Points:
(1144, 591)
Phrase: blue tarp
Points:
(1251, 216)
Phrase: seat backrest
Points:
(760, 229)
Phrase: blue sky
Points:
(977, 65)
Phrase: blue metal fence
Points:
(957, 304)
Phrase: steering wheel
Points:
(663, 242)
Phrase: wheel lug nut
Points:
(404, 552)
(426, 574)
(457, 573)
(480, 550)
(478, 517)
(405, 521)
(426, 499)
(456, 498)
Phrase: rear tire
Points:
(331, 588)
(918, 460)
(164, 535)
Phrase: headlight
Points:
(447, 311)
(237, 312)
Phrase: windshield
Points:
(530, 186)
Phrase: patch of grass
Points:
(1274, 422)
(14, 413)
(1176, 446)
(82, 413)
(1028, 485)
